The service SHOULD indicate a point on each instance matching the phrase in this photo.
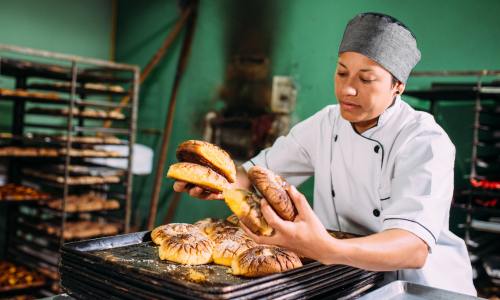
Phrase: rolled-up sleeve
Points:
(293, 156)
(422, 187)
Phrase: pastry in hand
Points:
(198, 175)
(210, 225)
(228, 250)
(160, 234)
(274, 189)
(187, 249)
(264, 260)
(246, 205)
(206, 154)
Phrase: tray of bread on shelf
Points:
(72, 180)
(21, 93)
(87, 88)
(111, 140)
(74, 229)
(14, 277)
(89, 113)
(13, 151)
(83, 203)
(12, 192)
(93, 170)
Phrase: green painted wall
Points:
(75, 27)
(452, 35)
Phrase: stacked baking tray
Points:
(128, 267)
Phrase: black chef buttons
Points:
(376, 212)
(336, 137)
(376, 148)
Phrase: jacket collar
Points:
(384, 118)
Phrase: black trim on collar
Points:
(385, 199)
(251, 162)
(381, 147)
(413, 222)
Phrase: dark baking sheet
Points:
(349, 286)
(107, 275)
(315, 286)
(135, 257)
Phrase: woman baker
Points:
(381, 169)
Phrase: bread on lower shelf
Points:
(82, 203)
(72, 180)
(78, 229)
(19, 193)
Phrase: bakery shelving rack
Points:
(480, 201)
(34, 231)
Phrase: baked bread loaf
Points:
(162, 233)
(341, 235)
(208, 155)
(234, 219)
(246, 205)
(264, 260)
(228, 250)
(210, 225)
(229, 233)
(198, 175)
(187, 249)
(274, 189)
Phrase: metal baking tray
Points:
(337, 290)
(355, 284)
(342, 277)
(402, 290)
(135, 258)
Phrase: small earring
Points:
(397, 92)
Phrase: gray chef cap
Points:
(383, 39)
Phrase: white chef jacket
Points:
(397, 174)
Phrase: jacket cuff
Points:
(412, 226)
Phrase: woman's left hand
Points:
(306, 235)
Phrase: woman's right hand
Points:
(196, 191)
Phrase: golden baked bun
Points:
(341, 235)
(208, 155)
(264, 260)
(246, 205)
(162, 233)
(198, 175)
(274, 189)
(228, 250)
(234, 219)
(210, 225)
(229, 233)
(187, 249)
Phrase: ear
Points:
(399, 87)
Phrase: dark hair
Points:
(390, 20)
(394, 81)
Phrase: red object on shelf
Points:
(485, 184)
(487, 203)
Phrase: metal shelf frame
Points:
(102, 71)
(473, 92)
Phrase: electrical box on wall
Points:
(283, 96)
